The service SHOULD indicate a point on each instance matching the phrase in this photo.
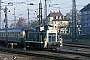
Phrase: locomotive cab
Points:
(52, 40)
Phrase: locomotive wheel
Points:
(2, 43)
(58, 49)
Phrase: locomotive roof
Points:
(19, 29)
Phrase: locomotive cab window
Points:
(1, 34)
(15, 34)
(52, 37)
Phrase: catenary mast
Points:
(0, 14)
(45, 9)
(74, 22)
(40, 13)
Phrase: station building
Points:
(85, 20)
(59, 22)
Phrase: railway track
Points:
(60, 55)
(79, 49)
(45, 54)
(78, 45)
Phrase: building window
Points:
(88, 12)
(55, 22)
(85, 12)
(55, 17)
(58, 17)
(55, 26)
(62, 17)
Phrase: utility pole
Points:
(0, 15)
(40, 12)
(45, 9)
(28, 14)
(14, 17)
(74, 22)
(28, 17)
(6, 26)
(40, 22)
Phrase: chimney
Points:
(50, 11)
(59, 11)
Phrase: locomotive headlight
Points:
(23, 33)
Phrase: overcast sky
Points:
(64, 6)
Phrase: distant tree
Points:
(21, 22)
(34, 23)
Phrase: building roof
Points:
(86, 8)
(18, 29)
(53, 14)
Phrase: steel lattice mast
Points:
(74, 22)
(45, 14)
(0, 14)
(40, 13)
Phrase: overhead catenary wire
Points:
(63, 6)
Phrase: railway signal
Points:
(6, 26)
(29, 13)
